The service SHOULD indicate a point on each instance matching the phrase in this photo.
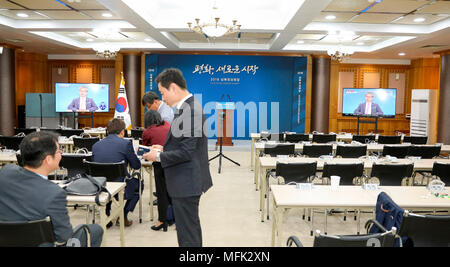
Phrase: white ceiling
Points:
(374, 29)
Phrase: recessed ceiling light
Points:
(419, 19)
(360, 43)
(147, 39)
(89, 40)
(22, 15)
(402, 54)
(107, 15)
(330, 17)
(300, 42)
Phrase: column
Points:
(132, 75)
(320, 96)
(7, 92)
(443, 123)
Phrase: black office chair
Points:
(395, 151)
(424, 151)
(10, 142)
(347, 171)
(351, 151)
(26, 131)
(112, 171)
(425, 230)
(389, 139)
(415, 140)
(71, 132)
(364, 139)
(74, 163)
(391, 174)
(442, 170)
(278, 149)
(315, 151)
(385, 239)
(26, 234)
(80, 142)
(295, 138)
(53, 130)
(136, 134)
(323, 138)
(279, 137)
(298, 172)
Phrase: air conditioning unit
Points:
(424, 103)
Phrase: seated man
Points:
(27, 195)
(114, 149)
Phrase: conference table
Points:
(114, 188)
(347, 197)
(347, 137)
(268, 163)
(258, 147)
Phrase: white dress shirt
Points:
(368, 108)
(82, 103)
(178, 105)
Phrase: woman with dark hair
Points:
(155, 133)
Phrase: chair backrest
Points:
(26, 234)
(19, 159)
(57, 131)
(442, 170)
(112, 171)
(295, 138)
(24, 130)
(416, 140)
(389, 139)
(273, 136)
(363, 138)
(347, 171)
(74, 163)
(70, 132)
(87, 143)
(369, 240)
(279, 149)
(395, 151)
(10, 142)
(298, 172)
(323, 138)
(391, 174)
(425, 230)
(424, 151)
(351, 151)
(315, 151)
(136, 134)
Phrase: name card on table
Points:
(370, 186)
(304, 186)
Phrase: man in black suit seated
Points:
(26, 194)
(113, 149)
(184, 156)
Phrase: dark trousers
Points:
(161, 192)
(189, 231)
(131, 196)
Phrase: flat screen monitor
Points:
(374, 102)
(81, 97)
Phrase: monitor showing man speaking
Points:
(378, 102)
(79, 97)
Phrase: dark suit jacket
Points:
(114, 149)
(90, 104)
(185, 156)
(375, 109)
(26, 196)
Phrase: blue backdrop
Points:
(271, 89)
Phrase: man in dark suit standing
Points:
(184, 156)
(368, 108)
(26, 194)
(113, 149)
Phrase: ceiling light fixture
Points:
(340, 53)
(330, 17)
(402, 54)
(360, 43)
(106, 50)
(107, 15)
(22, 15)
(214, 29)
(300, 42)
(419, 19)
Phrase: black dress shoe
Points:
(157, 228)
(109, 225)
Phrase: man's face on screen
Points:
(83, 91)
(369, 98)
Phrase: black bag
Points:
(86, 185)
